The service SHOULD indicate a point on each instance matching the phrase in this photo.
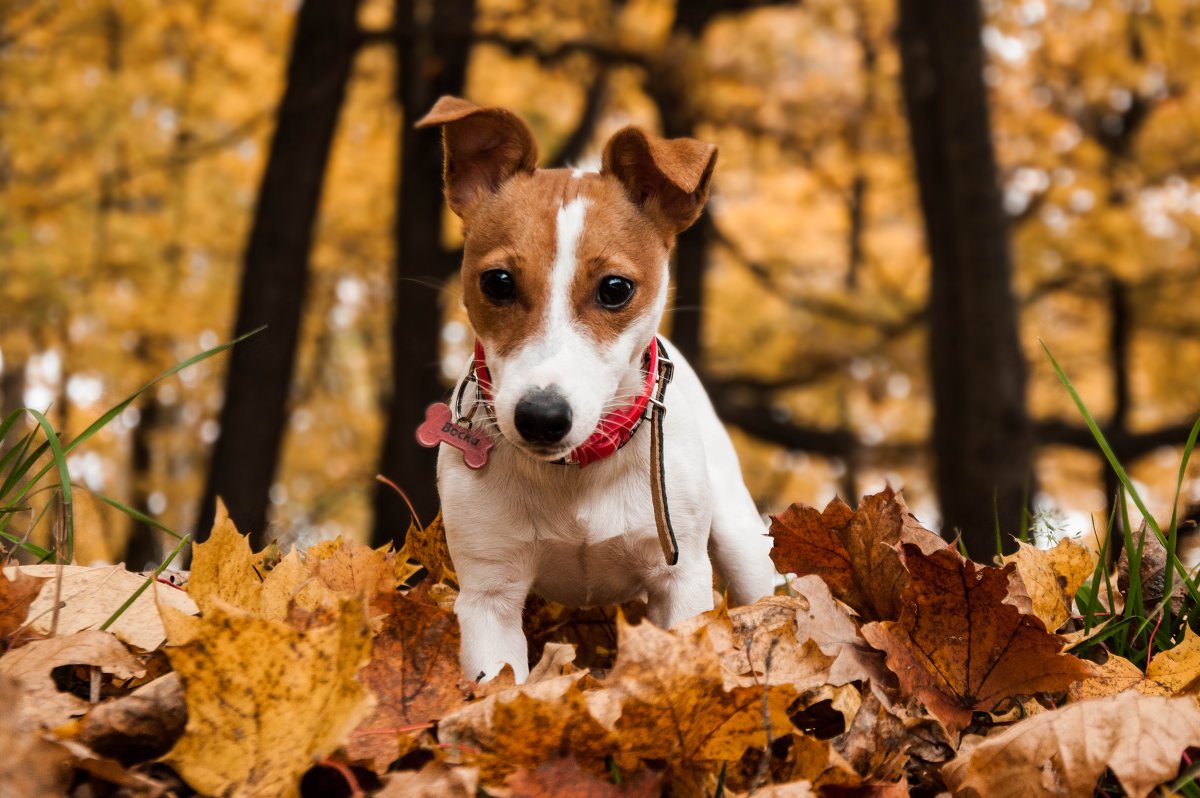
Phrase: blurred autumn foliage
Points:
(160, 160)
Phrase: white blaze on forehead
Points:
(568, 230)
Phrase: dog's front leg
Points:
(489, 615)
(680, 591)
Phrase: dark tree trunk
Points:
(143, 549)
(981, 431)
(275, 276)
(429, 66)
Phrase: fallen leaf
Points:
(826, 622)
(428, 547)
(18, 589)
(414, 675)
(139, 726)
(854, 554)
(264, 700)
(1177, 669)
(1064, 752)
(563, 778)
(31, 667)
(527, 724)
(793, 789)
(1114, 675)
(1052, 577)
(435, 780)
(354, 569)
(557, 660)
(1153, 572)
(808, 541)
(676, 706)
(226, 571)
(959, 644)
(89, 596)
(32, 766)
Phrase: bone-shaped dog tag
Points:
(440, 427)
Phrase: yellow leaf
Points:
(1052, 577)
(264, 700)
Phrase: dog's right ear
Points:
(483, 148)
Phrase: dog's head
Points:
(564, 272)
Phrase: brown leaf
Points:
(264, 700)
(31, 665)
(855, 554)
(414, 675)
(1064, 752)
(1052, 577)
(354, 569)
(526, 725)
(676, 706)
(18, 589)
(1153, 572)
(139, 726)
(563, 778)
(808, 541)
(89, 596)
(826, 622)
(32, 766)
(1175, 671)
(435, 780)
(960, 646)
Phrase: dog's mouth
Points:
(550, 454)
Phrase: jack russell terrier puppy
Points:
(552, 482)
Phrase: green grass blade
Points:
(1119, 470)
(1173, 532)
(59, 461)
(135, 514)
(149, 581)
(119, 407)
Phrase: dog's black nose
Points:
(543, 416)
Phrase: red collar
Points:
(614, 429)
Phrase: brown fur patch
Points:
(515, 229)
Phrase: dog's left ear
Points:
(483, 148)
(669, 178)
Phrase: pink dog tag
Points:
(440, 427)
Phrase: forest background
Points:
(909, 196)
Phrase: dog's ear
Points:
(669, 178)
(483, 148)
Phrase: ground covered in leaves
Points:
(890, 666)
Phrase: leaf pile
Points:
(891, 666)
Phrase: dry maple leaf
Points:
(428, 547)
(414, 675)
(31, 765)
(1052, 577)
(1064, 752)
(1175, 671)
(563, 778)
(225, 571)
(855, 554)
(960, 645)
(525, 725)
(139, 726)
(435, 780)
(18, 589)
(676, 706)
(89, 597)
(264, 700)
(31, 666)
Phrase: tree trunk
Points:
(430, 65)
(275, 277)
(981, 432)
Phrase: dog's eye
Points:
(498, 285)
(614, 292)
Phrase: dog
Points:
(586, 462)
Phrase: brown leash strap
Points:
(658, 470)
